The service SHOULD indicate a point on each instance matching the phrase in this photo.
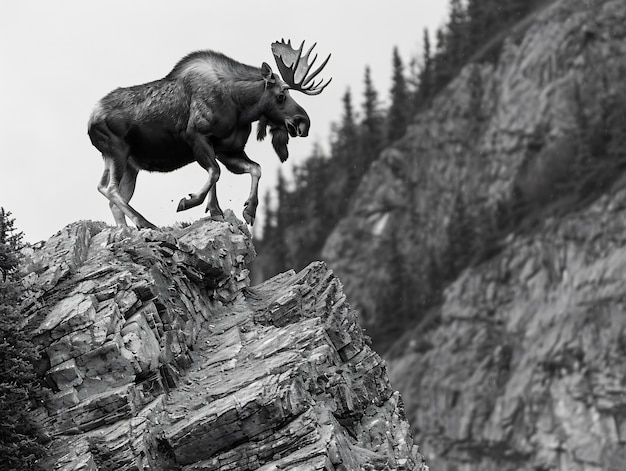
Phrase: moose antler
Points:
(294, 68)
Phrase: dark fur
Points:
(201, 111)
(280, 137)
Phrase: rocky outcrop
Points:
(159, 355)
(521, 364)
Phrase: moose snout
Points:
(298, 126)
(303, 127)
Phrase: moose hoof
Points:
(183, 204)
(249, 218)
(216, 214)
(123, 231)
(249, 212)
(146, 225)
(191, 202)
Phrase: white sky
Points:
(58, 58)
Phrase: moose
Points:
(201, 111)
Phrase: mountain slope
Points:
(491, 237)
(526, 368)
(504, 144)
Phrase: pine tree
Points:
(475, 13)
(317, 181)
(399, 110)
(268, 223)
(346, 151)
(348, 121)
(513, 10)
(20, 436)
(483, 20)
(10, 243)
(283, 219)
(451, 48)
(456, 42)
(426, 74)
(282, 211)
(372, 136)
(442, 68)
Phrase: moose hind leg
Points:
(241, 163)
(109, 186)
(127, 188)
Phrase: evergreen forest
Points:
(321, 189)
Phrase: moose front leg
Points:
(205, 156)
(240, 163)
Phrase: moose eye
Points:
(280, 98)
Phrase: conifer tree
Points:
(483, 21)
(345, 134)
(456, 42)
(348, 121)
(426, 73)
(10, 243)
(283, 210)
(282, 217)
(315, 187)
(370, 104)
(441, 62)
(20, 436)
(268, 223)
(372, 124)
(475, 32)
(346, 150)
(399, 110)
(512, 11)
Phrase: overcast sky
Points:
(58, 58)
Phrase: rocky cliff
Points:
(159, 355)
(504, 136)
(526, 369)
(512, 177)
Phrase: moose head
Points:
(295, 70)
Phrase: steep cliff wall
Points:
(526, 370)
(159, 355)
(503, 141)
(521, 364)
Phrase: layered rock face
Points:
(526, 370)
(500, 136)
(159, 355)
(521, 367)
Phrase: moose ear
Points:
(268, 75)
